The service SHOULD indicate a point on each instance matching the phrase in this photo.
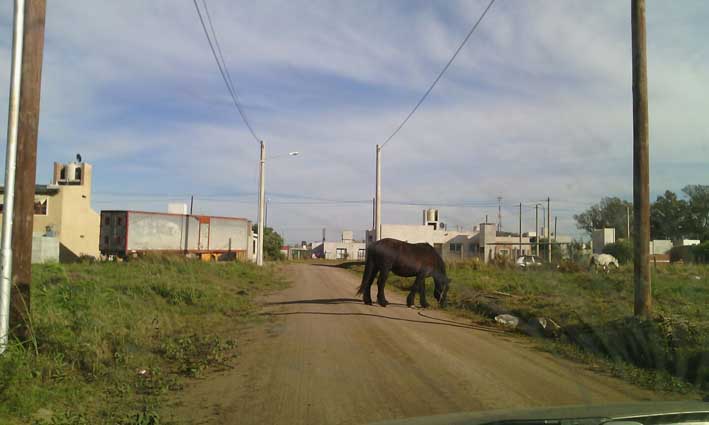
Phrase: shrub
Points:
(622, 250)
(569, 266)
(701, 252)
(682, 253)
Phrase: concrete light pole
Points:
(520, 229)
(549, 229)
(261, 206)
(378, 197)
(536, 227)
(10, 165)
(262, 201)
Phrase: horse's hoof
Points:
(425, 305)
(368, 302)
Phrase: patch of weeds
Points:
(65, 418)
(193, 354)
(147, 416)
(656, 380)
(155, 382)
(176, 295)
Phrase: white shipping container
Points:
(126, 232)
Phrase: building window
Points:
(77, 174)
(341, 253)
(505, 252)
(105, 240)
(455, 247)
(62, 174)
(361, 254)
(119, 221)
(40, 207)
(107, 221)
(473, 247)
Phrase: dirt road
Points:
(323, 357)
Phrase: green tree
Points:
(670, 217)
(621, 250)
(272, 243)
(610, 212)
(698, 210)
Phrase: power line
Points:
(219, 49)
(294, 199)
(223, 70)
(443, 71)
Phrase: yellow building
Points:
(63, 209)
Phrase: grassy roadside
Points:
(113, 339)
(594, 312)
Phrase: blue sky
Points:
(537, 104)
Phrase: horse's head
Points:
(440, 291)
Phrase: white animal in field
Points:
(603, 261)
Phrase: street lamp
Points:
(295, 153)
(262, 200)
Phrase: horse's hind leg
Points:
(366, 288)
(383, 274)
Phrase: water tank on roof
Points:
(70, 174)
(432, 215)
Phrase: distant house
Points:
(481, 241)
(344, 249)
(63, 210)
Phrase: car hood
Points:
(592, 414)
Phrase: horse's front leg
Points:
(421, 279)
(412, 292)
(383, 274)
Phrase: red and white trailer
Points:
(124, 233)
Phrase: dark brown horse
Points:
(406, 260)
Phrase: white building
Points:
(602, 237)
(345, 249)
(481, 241)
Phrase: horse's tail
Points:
(368, 270)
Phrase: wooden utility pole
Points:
(641, 166)
(555, 219)
(191, 203)
(25, 175)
